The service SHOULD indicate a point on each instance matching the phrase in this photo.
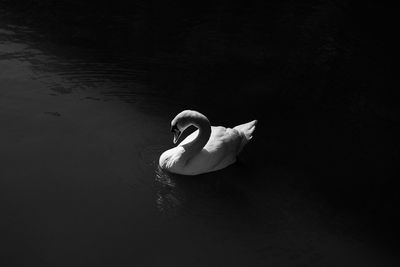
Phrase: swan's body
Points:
(210, 148)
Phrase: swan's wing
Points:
(219, 152)
(223, 140)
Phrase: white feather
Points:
(210, 148)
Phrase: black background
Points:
(291, 64)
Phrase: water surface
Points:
(79, 184)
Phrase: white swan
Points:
(208, 149)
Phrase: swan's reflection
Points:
(209, 195)
(167, 199)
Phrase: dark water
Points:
(82, 130)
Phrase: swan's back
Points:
(222, 148)
(220, 151)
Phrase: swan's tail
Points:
(246, 130)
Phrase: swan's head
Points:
(177, 133)
(184, 119)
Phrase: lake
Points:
(81, 134)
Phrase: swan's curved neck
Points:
(195, 146)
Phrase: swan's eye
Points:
(174, 128)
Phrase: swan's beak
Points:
(177, 134)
